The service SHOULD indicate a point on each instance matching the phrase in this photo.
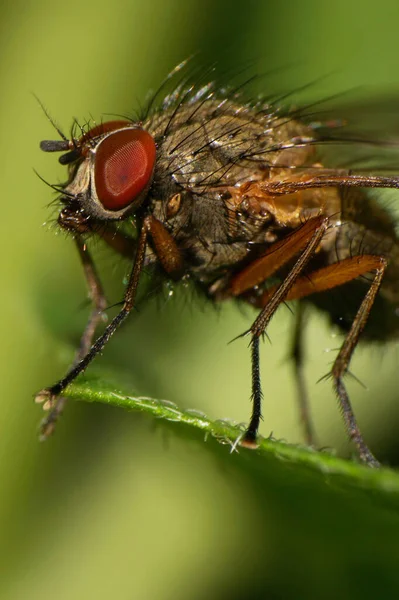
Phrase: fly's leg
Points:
(171, 260)
(341, 365)
(50, 394)
(327, 278)
(297, 355)
(314, 233)
(326, 178)
(96, 295)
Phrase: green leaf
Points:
(326, 519)
(328, 469)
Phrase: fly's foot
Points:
(45, 397)
(249, 440)
(54, 405)
(46, 428)
(368, 458)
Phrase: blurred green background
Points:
(112, 506)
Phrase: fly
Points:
(239, 198)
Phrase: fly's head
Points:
(111, 168)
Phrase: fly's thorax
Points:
(218, 143)
(205, 152)
(198, 224)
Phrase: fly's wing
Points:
(364, 114)
(357, 132)
(359, 138)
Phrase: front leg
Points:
(171, 260)
(55, 405)
(50, 394)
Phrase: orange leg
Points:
(165, 247)
(323, 279)
(306, 238)
(328, 178)
(276, 256)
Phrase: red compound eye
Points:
(123, 167)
